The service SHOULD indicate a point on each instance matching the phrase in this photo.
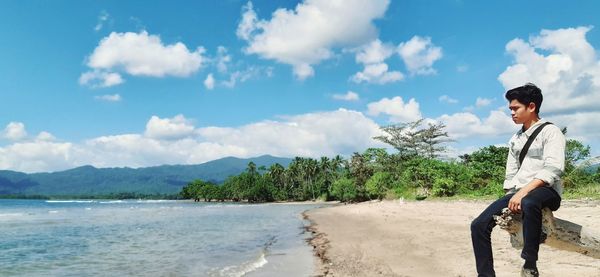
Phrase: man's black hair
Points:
(526, 94)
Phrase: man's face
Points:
(520, 112)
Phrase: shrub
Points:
(378, 185)
(344, 189)
(444, 187)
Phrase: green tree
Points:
(325, 177)
(488, 165)
(378, 185)
(432, 139)
(294, 176)
(412, 139)
(277, 174)
(262, 190)
(403, 137)
(208, 191)
(311, 169)
(344, 189)
(575, 152)
(360, 171)
(199, 189)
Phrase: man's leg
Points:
(532, 206)
(481, 230)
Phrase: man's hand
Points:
(514, 205)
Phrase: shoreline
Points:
(318, 241)
(429, 238)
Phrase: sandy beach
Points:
(431, 238)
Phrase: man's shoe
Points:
(528, 272)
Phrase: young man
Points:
(530, 186)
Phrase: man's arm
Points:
(554, 157)
(512, 167)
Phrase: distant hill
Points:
(592, 168)
(88, 180)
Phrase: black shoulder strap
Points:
(530, 141)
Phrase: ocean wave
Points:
(222, 206)
(12, 215)
(112, 202)
(155, 201)
(70, 201)
(244, 268)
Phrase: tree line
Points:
(414, 171)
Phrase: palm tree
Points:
(311, 169)
(294, 176)
(277, 174)
(336, 164)
(327, 170)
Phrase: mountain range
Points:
(90, 181)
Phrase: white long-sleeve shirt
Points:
(545, 159)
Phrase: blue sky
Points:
(141, 83)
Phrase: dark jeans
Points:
(531, 207)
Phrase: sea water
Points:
(152, 238)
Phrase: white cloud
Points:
(177, 141)
(209, 82)
(247, 74)
(580, 126)
(562, 63)
(462, 68)
(37, 156)
(349, 96)
(102, 18)
(303, 71)
(109, 97)
(374, 52)
(238, 76)
(466, 124)
(100, 79)
(249, 22)
(396, 109)
(482, 102)
(169, 128)
(372, 56)
(15, 131)
(45, 136)
(378, 74)
(307, 35)
(313, 134)
(222, 59)
(419, 54)
(134, 150)
(447, 99)
(141, 54)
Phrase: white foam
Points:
(245, 268)
(69, 201)
(155, 201)
(223, 206)
(12, 215)
(112, 202)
